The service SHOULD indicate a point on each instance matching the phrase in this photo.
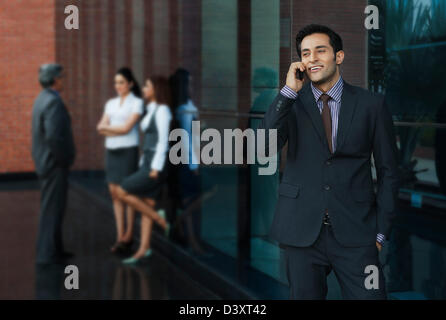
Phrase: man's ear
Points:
(339, 57)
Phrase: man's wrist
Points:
(288, 92)
(380, 238)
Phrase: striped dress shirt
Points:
(334, 103)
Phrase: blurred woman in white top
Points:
(119, 126)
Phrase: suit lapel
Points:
(311, 108)
(348, 105)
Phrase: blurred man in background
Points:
(53, 152)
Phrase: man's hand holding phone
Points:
(292, 78)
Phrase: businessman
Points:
(53, 152)
(328, 217)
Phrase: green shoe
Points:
(162, 213)
(132, 260)
(148, 253)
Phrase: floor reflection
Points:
(414, 258)
(49, 281)
(415, 266)
(89, 232)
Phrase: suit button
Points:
(327, 187)
(328, 162)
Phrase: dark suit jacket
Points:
(52, 137)
(315, 180)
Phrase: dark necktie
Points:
(326, 119)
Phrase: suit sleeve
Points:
(385, 154)
(57, 128)
(276, 118)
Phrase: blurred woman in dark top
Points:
(142, 189)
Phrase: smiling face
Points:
(319, 58)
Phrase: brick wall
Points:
(112, 34)
(150, 36)
(26, 40)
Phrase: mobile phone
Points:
(299, 74)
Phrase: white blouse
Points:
(163, 118)
(119, 115)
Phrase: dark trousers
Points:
(53, 201)
(308, 267)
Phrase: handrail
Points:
(236, 114)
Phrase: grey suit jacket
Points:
(314, 180)
(52, 137)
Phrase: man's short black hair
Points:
(335, 39)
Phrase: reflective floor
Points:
(89, 232)
(414, 258)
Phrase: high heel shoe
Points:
(133, 260)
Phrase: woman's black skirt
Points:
(140, 184)
(120, 163)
